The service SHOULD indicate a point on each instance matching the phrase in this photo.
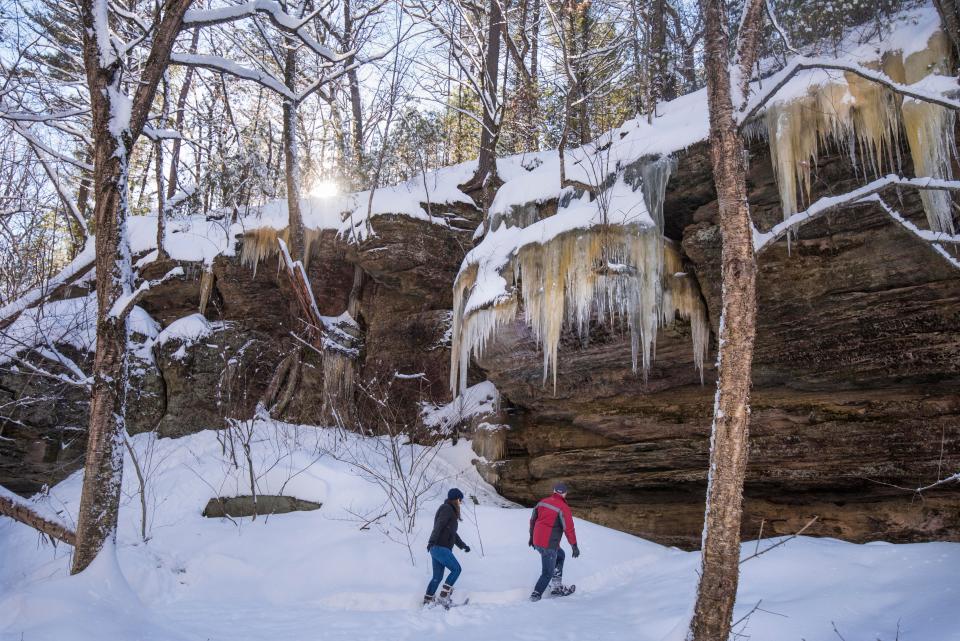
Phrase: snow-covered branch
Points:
(124, 304)
(65, 198)
(18, 509)
(934, 238)
(918, 91)
(82, 262)
(275, 12)
(218, 63)
(762, 240)
(38, 146)
(955, 478)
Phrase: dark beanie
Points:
(454, 493)
(560, 488)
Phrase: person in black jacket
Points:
(440, 547)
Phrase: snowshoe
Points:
(456, 605)
(563, 590)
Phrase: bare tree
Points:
(118, 121)
(392, 459)
(730, 105)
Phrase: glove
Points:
(466, 549)
(530, 542)
(576, 551)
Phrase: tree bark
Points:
(658, 54)
(113, 141)
(487, 162)
(533, 89)
(719, 576)
(161, 202)
(949, 11)
(356, 106)
(291, 162)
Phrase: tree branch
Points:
(781, 78)
(762, 241)
(20, 511)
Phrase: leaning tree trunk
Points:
(100, 497)
(113, 140)
(719, 575)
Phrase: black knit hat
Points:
(560, 487)
(454, 493)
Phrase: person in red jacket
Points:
(551, 520)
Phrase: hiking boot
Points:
(445, 598)
(561, 590)
(535, 596)
(427, 600)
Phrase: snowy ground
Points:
(317, 575)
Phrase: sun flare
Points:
(325, 189)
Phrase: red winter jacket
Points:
(551, 518)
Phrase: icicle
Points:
(875, 123)
(261, 243)
(656, 174)
(930, 130)
(863, 117)
(604, 274)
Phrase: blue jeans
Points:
(442, 559)
(552, 560)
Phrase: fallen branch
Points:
(304, 294)
(780, 542)
(24, 514)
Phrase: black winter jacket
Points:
(445, 528)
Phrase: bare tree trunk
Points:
(533, 90)
(658, 54)
(640, 90)
(719, 575)
(174, 175)
(291, 164)
(356, 107)
(113, 142)
(583, 75)
(487, 163)
(161, 202)
(949, 11)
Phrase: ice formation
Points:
(623, 272)
(866, 119)
(261, 243)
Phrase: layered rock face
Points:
(181, 386)
(856, 386)
(856, 374)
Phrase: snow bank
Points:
(477, 400)
(188, 329)
(296, 576)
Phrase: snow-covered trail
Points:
(317, 575)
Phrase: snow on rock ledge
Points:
(604, 258)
